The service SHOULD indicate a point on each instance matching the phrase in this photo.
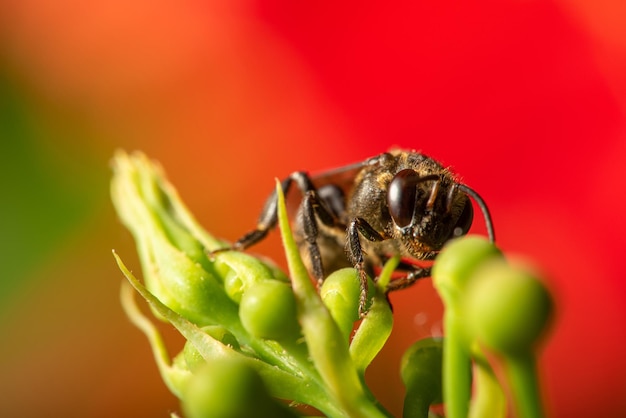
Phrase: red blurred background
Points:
(525, 99)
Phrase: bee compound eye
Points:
(401, 197)
(464, 222)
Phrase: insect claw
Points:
(211, 254)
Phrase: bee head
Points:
(432, 209)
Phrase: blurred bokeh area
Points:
(526, 100)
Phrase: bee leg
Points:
(313, 209)
(411, 277)
(355, 253)
(269, 214)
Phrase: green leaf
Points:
(174, 378)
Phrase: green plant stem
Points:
(522, 373)
(457, 378)
(489, 399)
(416, 405)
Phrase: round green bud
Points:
(228, 389)
(340, 293)
(457, 261)
(420, 369)
(268, 310)
(507, 307)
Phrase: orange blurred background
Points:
(525, 99)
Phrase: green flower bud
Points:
(451, 273)
(340, 293)
(420, 370)
(268, 310)
(507, 307)
(229, 389)
(456, 262)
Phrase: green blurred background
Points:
(526, 100)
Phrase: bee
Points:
(396, 203)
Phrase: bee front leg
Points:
(355, 253)
(269, 214)
(312, 210)
(412, 276)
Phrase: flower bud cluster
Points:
(493, 305)
(256, 338)
(249, 329)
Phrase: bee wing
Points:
(342, 177)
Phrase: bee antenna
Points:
(483, 208)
